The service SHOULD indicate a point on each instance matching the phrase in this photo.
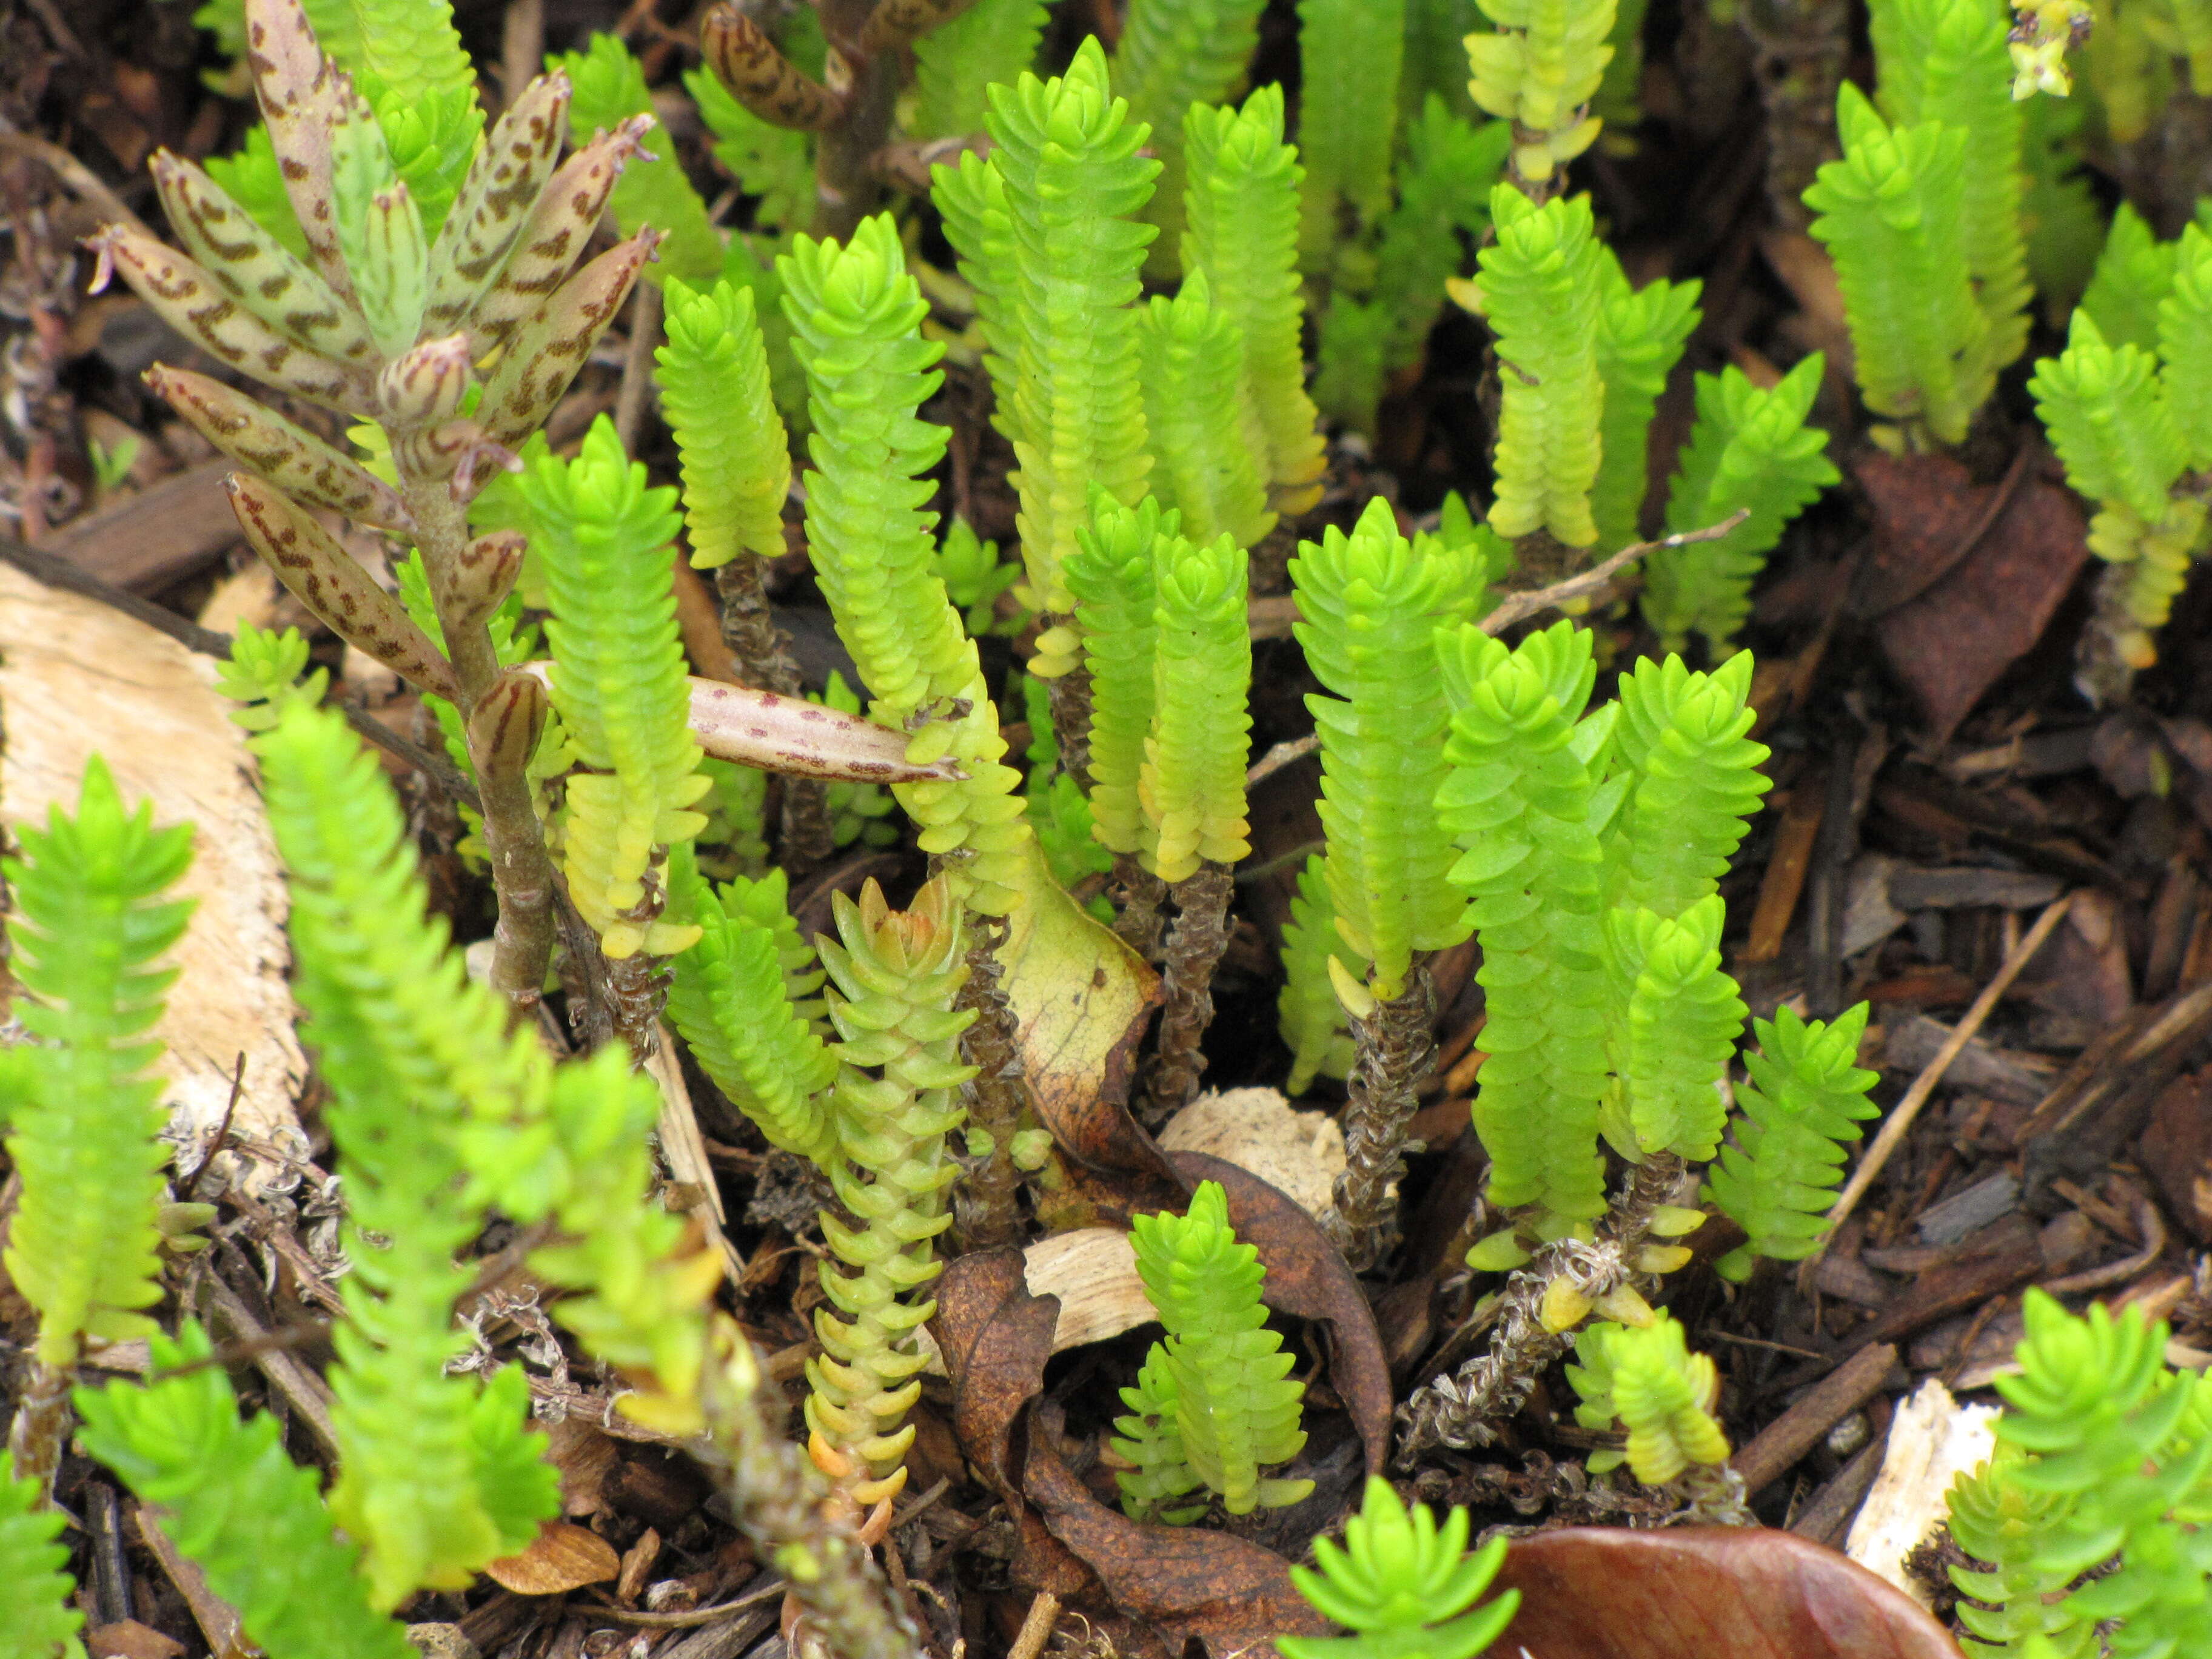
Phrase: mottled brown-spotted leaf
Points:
(760, 77)
(293, 460)
(561, 222)
(190, 301)
(896, 23)
(301, 92)
(1706, 1593)
(326, 579)
(551, 344)
(257, 269)
(503, 185)
(1307, 1277)
(1235, 1597)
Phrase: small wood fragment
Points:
(1790, 1435)
(1784, 880)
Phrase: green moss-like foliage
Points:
(91, 920)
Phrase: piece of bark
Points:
(1790, 1435)
(1828, 1517)
(126, 1638)
(2177, 1149)
(1913, 887)
(2010, 1258)
(2106, 1096)
(2013, 1079)
(158, 536)
(1969, 1210)
(217, 1619)
(1932, 1440)
(78, 679)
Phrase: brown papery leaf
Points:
(1706, 1593)
(2002, 557)
(561, 1557)
(1307, 1277)
(1234, 1596)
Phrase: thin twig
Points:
(1036, 1627)
(637, 363)
(1518, 607)
(775, 1586)
(221, 1131)
(1901, 1118)
(57, 571)
(81, 178)
(1283, 754)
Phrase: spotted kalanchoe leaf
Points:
(301, 92)
(295, 461)
(494, 200)
(561, 222)
(327, 579)
(254, 268)
(549, 348)
(426, 383)
(190, 301)
(762, 78)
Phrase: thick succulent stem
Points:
(1466, 1409)
(41, 1426)
(762, 652)
(521, 869)
(1800, 47)
(778, 1496)
(1137, 895)
(986, 1204)
(1393, 1049)
(846, 187)
(637, 985)
(1070, 694)
(1195, 947)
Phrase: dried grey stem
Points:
(41, 1426)
(1394, 1051)
(1070, 696)
(1518, 607)
(1195, 946)
(1466, 1410)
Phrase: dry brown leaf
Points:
(77, 677)
(1235, 1597)
(561, 1557)
(1706, 1593)
(1965, 578)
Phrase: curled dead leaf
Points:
(561, 1557)
(1706, 1592)
(1234, 1596)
